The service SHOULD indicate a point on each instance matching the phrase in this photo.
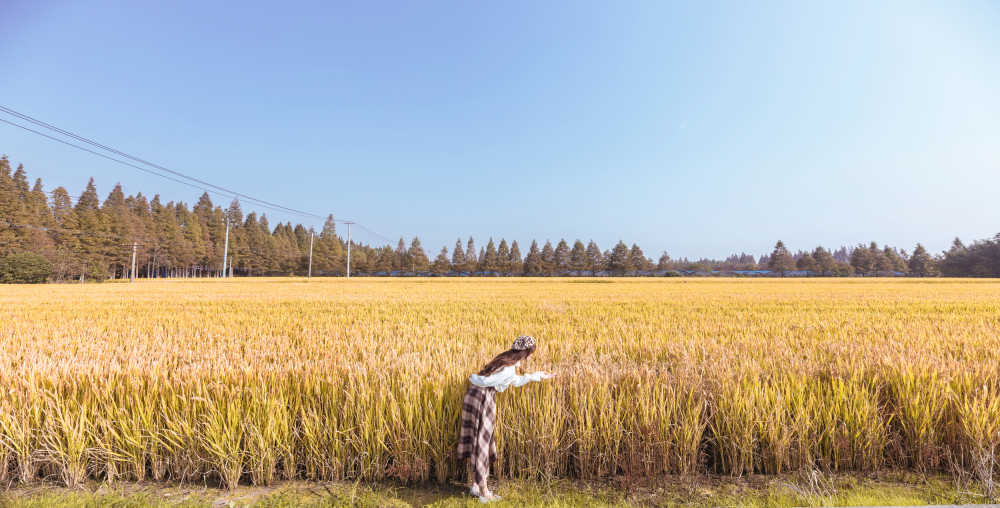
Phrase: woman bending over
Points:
(476, 441)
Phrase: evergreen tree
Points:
(562, 257)
(399, 261)
(471, 258)
(578, 257)
(780, 261)
(330, 225)
(533, 261)
(290, 256)
(67, 261)
(516, 265)
(862, 261)
(302, 237)
(214, 220)
(95, 241)
(10, 210)
(458, 257)
(328, 254)
(20, 179)
(383, 260)
(825, 263)
(882, 263)
(146, 233)
(664, 262)
(619, 262)
(38, 206)
(253, 261)
(235, 213)
(491, 261)
(548, 259)
(637, 259)
(166, 229)
(363, 261)
(441, 265)
(37, 238)
(25, 229)
(806, 263)
(418, 261)
(921, 264)
(956, 260)
(88, 201)
(595, 260)
(115, 224)
(503, 257)
(203, 208)
(894, 260)
(212, 233)
(269, 250)
(842, 269)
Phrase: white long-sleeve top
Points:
(504, 378)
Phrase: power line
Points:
(219, 190)
(140, 168)
(373, 233)
(151, 164)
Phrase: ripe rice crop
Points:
(259, 380)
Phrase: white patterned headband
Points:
(523, 342)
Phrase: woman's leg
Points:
(481, 471)
(470, 473)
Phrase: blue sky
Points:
(699, 128)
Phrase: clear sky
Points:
(700, 128)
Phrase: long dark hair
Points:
(505, 359)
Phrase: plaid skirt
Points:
(475, 441)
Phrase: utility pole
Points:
(225, 250)
(132, 274)
(311, 235)
(348, 248)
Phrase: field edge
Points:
(800, 489)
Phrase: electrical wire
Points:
(204, 186)
(154, 165)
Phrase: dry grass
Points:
(256, 381)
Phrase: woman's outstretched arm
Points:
(521, 380)
(508, 377)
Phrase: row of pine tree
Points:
(87, 238)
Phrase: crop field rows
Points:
(252, 381)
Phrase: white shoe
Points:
(493, 497)
(482, 499)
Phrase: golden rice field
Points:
(252, 381)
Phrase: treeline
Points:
(47, 236)
(85, 238)
(865, 260)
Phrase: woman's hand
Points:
(548, 375)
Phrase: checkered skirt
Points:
(476, 441)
